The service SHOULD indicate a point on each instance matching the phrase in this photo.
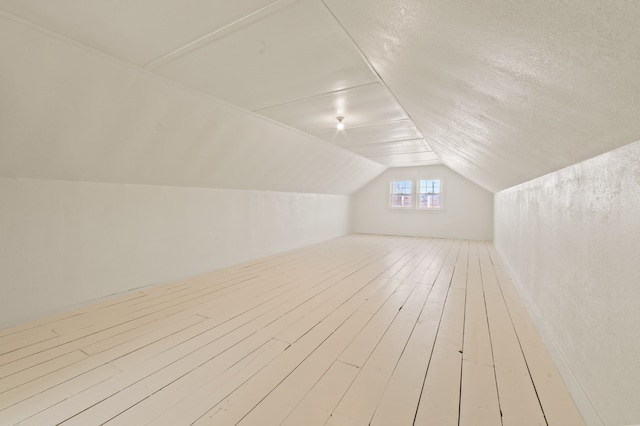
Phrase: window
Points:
(418, 194)
(401, 194)
(429, 195)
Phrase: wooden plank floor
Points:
(360, 330)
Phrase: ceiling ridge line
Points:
(373, 70)
(378, 123)
(373, 144)
(392, 165)
(331, 92)
(398, 154)
(207, 38)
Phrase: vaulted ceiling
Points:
(500, 91)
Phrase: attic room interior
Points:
(319, 212)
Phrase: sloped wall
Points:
(571, 240)
(468, 211)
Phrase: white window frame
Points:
(440, 193)
(410, 194)
(415, 195)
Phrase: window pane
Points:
(401, 192)
(429, 193)
(430, 186)
(401, 187)
(398, 200)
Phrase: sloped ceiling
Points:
(284, 59)
(71, 114)
(505, 91)
(499, 91)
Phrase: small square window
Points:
(429, 194)
(401, 194)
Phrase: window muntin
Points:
(401, 194)
(429, 194)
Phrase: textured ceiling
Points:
(500, 91)
(505, 91)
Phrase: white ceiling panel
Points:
(137, 31)
(108, 122)
(296, 52)
(360, 106)
(388, 148)
(405, 160)
(374, 133)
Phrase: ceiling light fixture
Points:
(340, 125)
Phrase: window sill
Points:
(413, 209)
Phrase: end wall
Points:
(468, 212)
(571, 240)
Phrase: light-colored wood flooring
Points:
(354, 331)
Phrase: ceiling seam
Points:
(332, 92)
(374, 144)
(207, 38)
(400, 120)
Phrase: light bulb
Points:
(340, 125)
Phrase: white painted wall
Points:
(63, 243)
(468, 211)
(571, 240)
